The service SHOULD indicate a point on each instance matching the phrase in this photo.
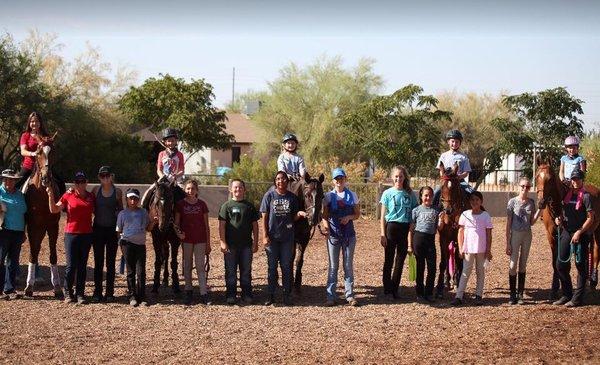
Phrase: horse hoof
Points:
(593, 284)
(154, 290)
(58, 294)
(29, 292)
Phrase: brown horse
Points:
(40, 222)
(453, 204)
(310, 196)
(164, 238)
(550, 193)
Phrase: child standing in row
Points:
(132, 224)
(474, 244)
(191, 216)
(238, 236)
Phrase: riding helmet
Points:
(170, 132)
(289, 137)
(454, 134)
(572, 141)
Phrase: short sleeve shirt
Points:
(14, 217)
(292, 164)
(475, 230)
(425, 219)
(521, 213)
(170, 164)
(449, 158)
(340, 196)
(574, 218)
(238, 217)
(399, 205)
(571, 163)
(281, 209)
(191, 220)
(31, 145)
(79, 212)
(132, 223)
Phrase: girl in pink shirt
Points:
(474, 244)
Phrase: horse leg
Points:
(52, 229)
(157, 262)
(458, 264)
(595, 258)
(442, 268)
(299, 260)
(165, 261)
(174, 272)
(36, 235)
(555, 277)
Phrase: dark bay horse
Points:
(310, 195)
(40, 222)
(454, 202)
(550, 192)
(164, 238)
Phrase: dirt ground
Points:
(43, 329)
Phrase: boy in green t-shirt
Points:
(238, 235)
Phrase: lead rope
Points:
(575, 250)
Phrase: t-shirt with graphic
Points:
(475, 231)
(132, 223)
(449, 158)
(170, 164)
(292, 164)
(281, 209)
(191, 220)
(570, 164)
(425, 219)
(79, 212)
(521, 213)
(238, 216)
(399, 205)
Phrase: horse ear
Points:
(321, 178)
(455, 168)
(441, 167)
(306, 176)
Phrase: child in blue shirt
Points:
(572, 159)
(453, 157)
(289, 160)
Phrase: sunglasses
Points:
(133, 198)
(80, 181)
(525, 186)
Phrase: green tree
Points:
(542, 120)
(310, 102)
(401, 128)
(171, 102)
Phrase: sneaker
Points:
(247, 299)
(133, 302)
(456, 302)
(4, 297)
(70, 299)
(572, 304)
(188, 297)
(562, 301)
(287, 301)
(109, 299)
(96, 298)
(330, 303)
(352, 302)
(513, 299)
(144, 303)
(81, 299)
(478, 300)
(204, 299)
(270, 301)
(230, 300)
(520, 300)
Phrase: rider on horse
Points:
(453, 157)
(289, 160)
(571, 160)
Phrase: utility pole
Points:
(233, 89)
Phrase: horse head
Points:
(547, 184)
(163, 204)
(312, 193)
(43, 164)
(451, 193)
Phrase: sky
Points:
(464, 46)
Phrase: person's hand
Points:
(558, 221)
(489, 255)
(576, 236)
(410, 249)
(508, 250)
(70, 190)
(383, 241)
(266, 241)
(344, 220)
(302, 214)
(326, 232)
(50, 191)
(224, 247)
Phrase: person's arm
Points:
(54, 207)
(265, 220)
(222, 242)
(300, 214)
(461, 240)
(301, 166)
(208, 248)
(509, 218)
(280, 164)
(325, 219)
(586, 226)
(159, 165)
(254, 237)
(26, 153)
(177, 225)
(119, 199)
(180, 166)
(411, 234)
(561, 171)
(462, 175)
(382, 238)
(535, 214)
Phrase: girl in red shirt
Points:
(35, 132)
(191, 222)
(79, 205)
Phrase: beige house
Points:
(204, 161)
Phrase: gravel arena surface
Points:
(44, 329)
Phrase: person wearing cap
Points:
(340, 209)
(79, 205)
(289, 160)
(132, 224)
(572, 159)
(12, 231)
(575, 229)
(109, 201)
(454, 156)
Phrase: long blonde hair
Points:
(406, 182)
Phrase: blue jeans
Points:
(334, 247)
(282, 253)
(77, 250)
(10, 249)
(242, 257)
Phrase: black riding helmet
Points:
(289, 137)
(170, 132)
(454, 134)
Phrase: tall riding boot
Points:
(30, 279)
(55, 279)
(512, 282)
(521, 288)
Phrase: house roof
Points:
(239, 125)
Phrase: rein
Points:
(575, 250)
